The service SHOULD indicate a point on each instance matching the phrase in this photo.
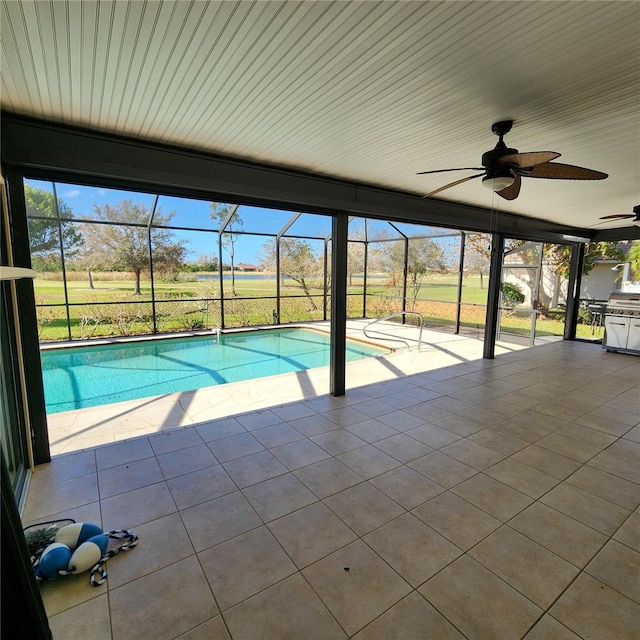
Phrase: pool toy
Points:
(74, 548)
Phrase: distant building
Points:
(243, 266)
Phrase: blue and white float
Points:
(80, 547)
(54, 559)
(73, 535)
(88, 554)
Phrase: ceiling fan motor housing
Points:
(490, 158)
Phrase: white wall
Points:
(600, 282)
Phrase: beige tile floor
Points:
(481, 499)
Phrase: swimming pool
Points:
(88, 376)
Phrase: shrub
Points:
(557, 314)
(511, 295)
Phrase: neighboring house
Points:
(247, 267)
(606, 277)
(603, 279)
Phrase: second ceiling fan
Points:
(503, 168)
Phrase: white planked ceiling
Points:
(367, 91)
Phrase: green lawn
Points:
(181, 305)
(440, 287)
(445, 288)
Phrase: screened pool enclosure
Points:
(119, 263)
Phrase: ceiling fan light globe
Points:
(497, 183)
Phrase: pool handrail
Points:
(394, 315)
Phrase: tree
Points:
(297, 262)
(558, 256)
(168, 258)
(633, 256)
(477, 255)
(44, 233)
(207, 262)
(356, 247)
(125, 244)
(220, 212)
(424, 256)
(386, 254)
(355, 259)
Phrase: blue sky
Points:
(193, 214)
(190, 213)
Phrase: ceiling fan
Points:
(503, 168)
(624, 216)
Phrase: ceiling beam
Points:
(614, 235)
(57, 152)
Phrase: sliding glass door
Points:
(12, 427)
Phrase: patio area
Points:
(443, 496)
(74, 430)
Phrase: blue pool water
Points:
(81, 377)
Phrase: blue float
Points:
(54, 558)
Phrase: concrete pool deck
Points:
(84, 428)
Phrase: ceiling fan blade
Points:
(530, 159)
(621, 216)
(511, 193)
(453, 184)
(421, 173)
(604, 222)
(559, 171)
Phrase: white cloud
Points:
(74, 193)
(101, 192)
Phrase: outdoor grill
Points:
(622, 323)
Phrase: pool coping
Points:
(385, 351)
(108, 340)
